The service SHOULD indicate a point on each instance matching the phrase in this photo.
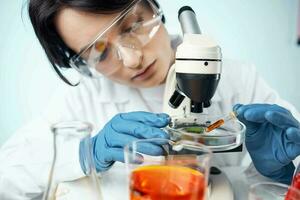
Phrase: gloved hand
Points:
(272, 139)
(107, 145)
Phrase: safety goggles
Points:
(121, 43)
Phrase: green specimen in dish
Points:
(194, 129)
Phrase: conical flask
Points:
(67, 136)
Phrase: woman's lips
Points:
(146, 73)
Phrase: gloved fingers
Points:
(251, 126)
(281, 120)
(293, 135)
(137, 159)
(117, 140)
(261, 105)
(256, 112)
(151, 149)
(136, 129)
(143, 148)
(158, 120)
(292, 150)
(237, 106)
(245, 112)
(115, 154)
(104, 159)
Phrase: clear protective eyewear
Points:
(121, 43)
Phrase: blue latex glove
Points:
(272, 139)
(108, 144)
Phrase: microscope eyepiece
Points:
(184, 8)
(188, 20)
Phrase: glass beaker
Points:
(163, 169)
(67, 136)
(273, 191)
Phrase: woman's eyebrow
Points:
(120, 21)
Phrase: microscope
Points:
(193, 79)
(192, 82)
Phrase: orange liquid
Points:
(215, 125)
(162, 182)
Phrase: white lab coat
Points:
(25, 158)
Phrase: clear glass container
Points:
(173, 171)
(296, 181)
(67, 137)
(273, 191)
(226, 137)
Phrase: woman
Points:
(124, 53)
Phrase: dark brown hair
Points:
(42, 14)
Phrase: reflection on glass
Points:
(273, 191)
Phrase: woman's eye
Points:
(102, 56)
(127, 30)
(133, 26)
(101, 48)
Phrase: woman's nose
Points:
(132, 58)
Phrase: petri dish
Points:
(228, 136)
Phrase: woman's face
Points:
(78, 28)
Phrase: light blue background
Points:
(262, 32)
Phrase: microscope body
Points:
(197, 69)
(193, 78)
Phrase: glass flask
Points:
(67, 136)
(273, 191)
(163, 169)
